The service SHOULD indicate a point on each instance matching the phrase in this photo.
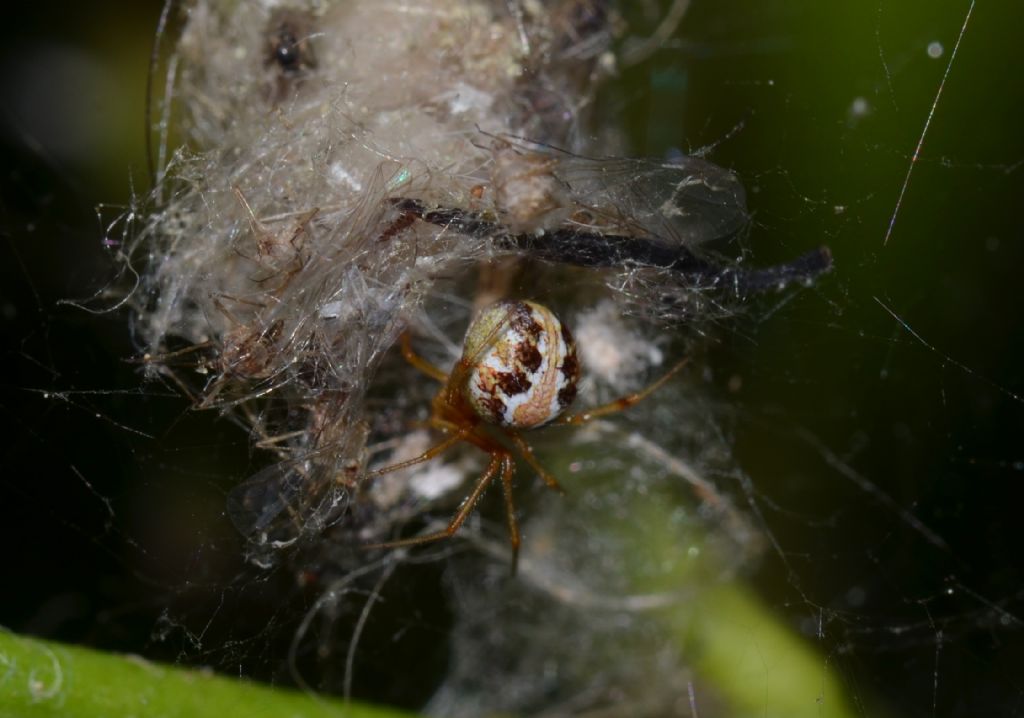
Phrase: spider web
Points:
(866, 428)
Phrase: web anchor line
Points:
(927, 124)
(593, 249)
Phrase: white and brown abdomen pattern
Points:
(524, 368)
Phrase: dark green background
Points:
(924, 622)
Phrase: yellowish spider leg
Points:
(621, 403)
(531, 459)
(427, 455)
(508, 468)
(410, 355)
(497, 462)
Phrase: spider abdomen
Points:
(523, 368)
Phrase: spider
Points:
(518, 371)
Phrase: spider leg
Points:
(508, 468)
(621, 403)
(498, 461)
(410, 355)
(212, 392)
(427, 455)
(531, 459)
(148, 358)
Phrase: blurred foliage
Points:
(44, 680)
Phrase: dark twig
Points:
(593, 249)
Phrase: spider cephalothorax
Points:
(518, 371)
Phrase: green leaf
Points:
(40, 679)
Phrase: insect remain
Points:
(518, 371)
(600, 212)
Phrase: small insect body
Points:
(687, 201)
(528, 194)
(288, 55)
